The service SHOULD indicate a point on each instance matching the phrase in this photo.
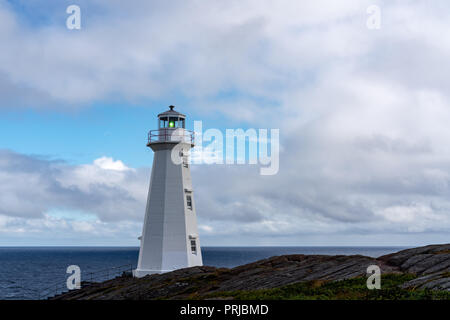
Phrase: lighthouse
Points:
(169, 239)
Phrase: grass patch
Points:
(351, 289)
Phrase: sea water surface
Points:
(39, 272)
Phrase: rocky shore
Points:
(428, 268)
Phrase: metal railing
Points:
(171, 135)
(88, 279)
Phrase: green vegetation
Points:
(351, 289)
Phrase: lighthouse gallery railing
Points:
(88, 279)
(171, 135)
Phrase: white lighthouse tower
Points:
(169, 237)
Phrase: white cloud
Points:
(415, 217)
(106, 188)
(49, 230)
(363, 114)
(109, 164)
(71, 215)
(82, 226)
(205, 228)
(200, 48)
(328, 198)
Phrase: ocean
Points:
(39, 272)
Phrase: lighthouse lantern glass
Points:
(172, 122)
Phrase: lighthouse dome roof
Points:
(171, 113)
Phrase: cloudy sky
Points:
(363, 114)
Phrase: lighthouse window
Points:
(173, 122)
(189, 201)
(185, 162)
(163, 123)
(194, 246)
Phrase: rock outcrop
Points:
(431, 264)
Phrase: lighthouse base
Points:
(139, 273)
